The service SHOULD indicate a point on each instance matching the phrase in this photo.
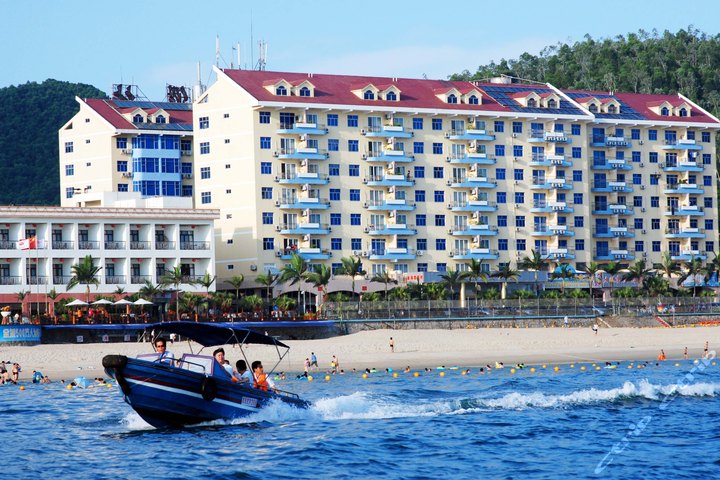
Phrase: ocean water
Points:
(651, 422)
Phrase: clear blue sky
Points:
(154, 42)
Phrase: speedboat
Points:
(195, 388)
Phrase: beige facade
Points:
(428, 189)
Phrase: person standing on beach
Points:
(392, 345)
(313, 360)
(705, 351)
(335, 364)
(595, 328)
(686, 353)
(307, 366)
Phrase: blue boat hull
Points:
(168, 396)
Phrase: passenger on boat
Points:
(262, 381)
(242, 375)
(219, 355)
(161, 348)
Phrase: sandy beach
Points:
(415, 348)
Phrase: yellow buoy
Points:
(442, 374)
(594, 364)
(677, 364)
(557, 369)
(532, 369)
(395, 375)
(364, 375)
(327, 378)
(544, 366)
(572, 365)
(22, 387)
(512, 370)
(109, 385)
(310, 378)
(69, 387)
(630, 366)
(416, 374)
(582, 368)
(597, 368)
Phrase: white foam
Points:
(133, 421)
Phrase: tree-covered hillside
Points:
(31, 116)
(645, 62)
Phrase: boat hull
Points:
(169, 396)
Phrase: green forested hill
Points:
(30, 116)
(645, 62)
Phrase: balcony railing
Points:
(36, 280)
(61, 279)
(8, 244)
(112, 245)
(140, 279)
(10, 280)
(88, 245)
(114, 279)
(139, 245)
(62, 245)
(164, 245)
(194, 245)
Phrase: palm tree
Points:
(435, 291)
(612, 269)
(223, 300)
(535, 263)
(267, 279)
(119, 291)
(293, 272)
(637, 272)
(285, 303)
(563, 272)
(452, 279)
(149, 290)
(53, 295)
(21, 296)
(656, 286)
(592, 269)
(320, 277)
(692, 269)
(175, 278)
(505, 273)
(252, 302)
(191, 301)
(236, 281)
(475, 272)
(206, 281)
(352, 267)
(668, 267)
(84, 273)
(386, 278)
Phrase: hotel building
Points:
(426, 175)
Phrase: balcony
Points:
(392, 254)
(684, 188)
(470, 158)
(62, 245)
(112, 245)
(545, 206)
(35, 280)
(385, 155)
(193, 245)
(302, 128)
(140, 279)
(608, 141)
(61, 279)
(560, 253)
(473, 206)
(307, 253)
(681, 144)
(138, 245)
(389, 180)
(302, 203)
(390, 204)
(88, 245)
(613, 255)
(613, 232)
(472, 182)
(686, 210)
(540, 160)
(301, 153)
(685, 232)
(469, 134)
(612, 209)
(302, 178)
(10, 280)
(558, 183)
(682, 166)
(611, 186)
(561, 231)
(303, 228)
(164, 245)
(474, 254)
(390, 229)
(114, 280)
(8, 244)
(687, 255)
(540, 136)
(474, 230)
(387, 131)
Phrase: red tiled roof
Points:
(337, 90)
(114, 114)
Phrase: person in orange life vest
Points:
(262, 380)
(662, 356)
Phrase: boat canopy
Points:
(208, 335)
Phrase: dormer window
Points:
(138, 118)
(160, 119)
(611, 109)
(281, 91)
(531, 103)
(683, 112)
(552, 103)
(593, 108)
(473, 100)
(304, 92)
(664, 112)
(452, 98)
(391, 97)
(369, 95)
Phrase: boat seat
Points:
(198, 363)
(150, 357)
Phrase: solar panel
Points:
(148, 104)
(501, 93)
(626, 112)
(165, 126)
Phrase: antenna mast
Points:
(262, 59)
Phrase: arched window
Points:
(552, 103)
(473, 100)
(304, 92)
(531, 103)
(664, 112)
(138, 118)
(369, 95)
(391, 97)
(611, 108)
(683, 112)
(593, 108)
(160, 119)
(281, 90)
(451, 98)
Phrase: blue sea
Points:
(656, 421)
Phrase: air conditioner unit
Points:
(420, 253)
(451, 254)
(365, 205)
(303, 163)
(447, 134)
(356, 253)
(363, 131)
(391, 189)
(450, 231)
(306, 238)
(514, 135)
(516, 182)
(278, 253)
(392, 214)
(277, 228)
(304, 188)
(276, 154)
(449, 182)
(303, 138)
(366, 229)
(642, 209)
(364, 254)
(642, 187)
(642, 165)
(471, 119)
(447, 159)
(641, 142)
(364, 156)
(365, 180)
(388, 116)
(450, 205)
(473, 168)
(644, 232)
(277, 203)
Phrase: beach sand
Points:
(415, 348)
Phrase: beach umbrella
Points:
(76, 303)
(123, 302)
(102, 301)
(142, 301)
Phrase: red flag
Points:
(27, 243)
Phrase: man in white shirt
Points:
(243, 375)
(161, 348)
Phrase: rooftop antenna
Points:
(217, 51)
(262, 59)
(252, 58)
(236, 49)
